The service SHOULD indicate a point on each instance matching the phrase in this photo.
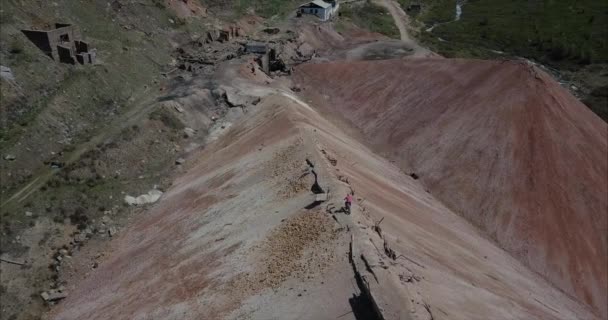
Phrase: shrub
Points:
(79, 218)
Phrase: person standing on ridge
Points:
(348, 201)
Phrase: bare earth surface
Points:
(500, 143)
(238, 237)
(479, 194)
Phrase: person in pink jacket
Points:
(348, 201)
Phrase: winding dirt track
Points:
(399, 16)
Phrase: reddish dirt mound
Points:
(187, 8)
(500, 143)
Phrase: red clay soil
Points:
(225, 242)
(500, 143)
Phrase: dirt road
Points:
(398, 15)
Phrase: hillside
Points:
(189, 159)
(75, 139)
(500, 143)
(238, 236)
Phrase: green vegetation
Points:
(438, 10)
(371, 17)
(266, 8)
(51, 110)
(598, 101)
(567, 35)
(554, 32)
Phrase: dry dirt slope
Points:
(500, 143)
(208, 249)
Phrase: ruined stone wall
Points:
(59, 36)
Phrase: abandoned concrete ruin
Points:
(224, 34)
(274, 56)
(200, 55)
(64, 44)
(267, 57)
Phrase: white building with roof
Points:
(323, 10)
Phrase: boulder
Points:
(53, 295)
(151, 197)
(6, 73)
(189, 132)
(81, 237)
(219, 93)
(178, 108)
(57, 296)
(306, 50)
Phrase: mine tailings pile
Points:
(500, 143)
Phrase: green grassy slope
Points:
(551, 31)
(72, 115)
(370, 17)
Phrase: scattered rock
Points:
(10, 157)
(56, 164)
(53, 295)
(29, 214)
(180, 161)
(112, 231)
(237, 99)
(189, 132)
(151, 197)
(57, 296)
(81, 237)
(6, 73)
(219, 93)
